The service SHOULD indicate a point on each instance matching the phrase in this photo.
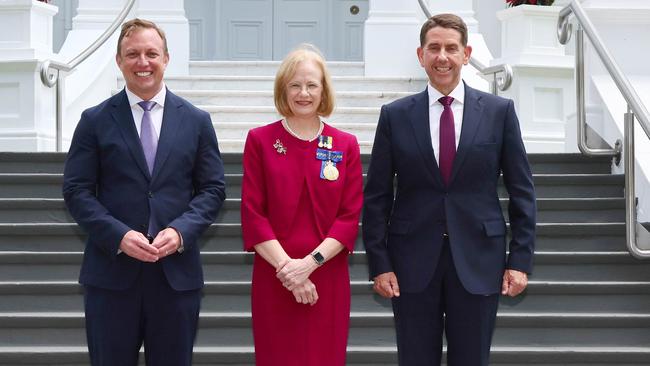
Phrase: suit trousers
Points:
(467, 321)
(119, 321)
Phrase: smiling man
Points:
(433, 229)
(144, 179)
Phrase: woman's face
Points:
(304, 90)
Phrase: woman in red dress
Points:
(301, 199)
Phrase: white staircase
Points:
(239, 96)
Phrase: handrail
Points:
(634, 104)
(51, 79)
(502, 82)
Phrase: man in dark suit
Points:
(144, 178)
(433, 229)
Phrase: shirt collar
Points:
(458, 93)
(159, 98)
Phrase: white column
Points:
(543, 86)
(170, 16)
(25, 29)
(392, 33)
(93, 14)
(26, 105)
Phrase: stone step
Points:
(540, 297)
(366, 329)
(39, 162)
(237, 266)
(265, 97)
(26, 185)
(254, 82)
(268, 114)
(569, 164)
(356, 356)
(236, 146)
(44, 162)
(546, 185)
(69, 237)
(237, 131)
(31, 162)
(578, 210)
(267, 68)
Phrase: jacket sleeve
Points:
(80, 179)
(255, 224)
(346, 225)
(518, 180)
(378, 198)
(209, 187)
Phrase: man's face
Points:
(142, 60)
(442, 56)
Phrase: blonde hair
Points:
(287, 70)
(137, 24)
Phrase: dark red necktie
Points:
(447, 139)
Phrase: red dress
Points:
(284, 198)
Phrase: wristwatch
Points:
(318, 258)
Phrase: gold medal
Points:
(330, 172)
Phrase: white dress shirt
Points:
(435, 111)
(156, 113)
(156, 118)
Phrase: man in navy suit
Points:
(144, 178)
(433, 229)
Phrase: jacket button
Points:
(150, 194)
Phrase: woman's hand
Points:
(305, 293)
(296, 271)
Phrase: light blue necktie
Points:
(149, 142)
(148, 136)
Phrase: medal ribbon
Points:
(327, 156)
(333, 156)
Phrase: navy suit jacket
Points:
(407, 207)
(109, 191)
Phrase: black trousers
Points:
(150, 312)
(467, 321)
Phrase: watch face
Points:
(318, 257)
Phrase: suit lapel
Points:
(472, 114)
(173, 114)
(122, 115)
(419, 118)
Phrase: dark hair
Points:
(137, 24)
(450, 21)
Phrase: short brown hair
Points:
(451, 21)
(287, 70)
(137, 24)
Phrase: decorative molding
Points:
(235, 50)
(354, 43)
(10, 93)
(548, 104)
(197, 49)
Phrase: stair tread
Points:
(366, 355)
(243, 287)
(497, 349)
(552, 305)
